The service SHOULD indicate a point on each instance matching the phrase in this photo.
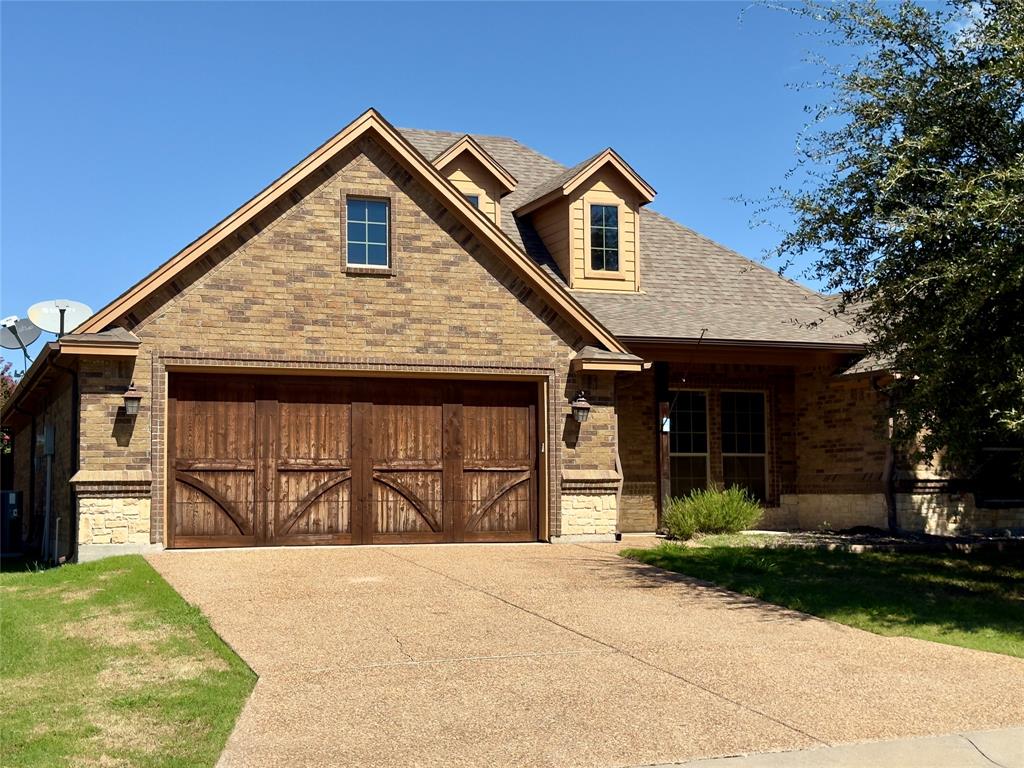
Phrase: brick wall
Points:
(280, 296)
(841, 437)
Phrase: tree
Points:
(908, 197)
(7, 383)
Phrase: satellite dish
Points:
(59, 315)
(18, 333)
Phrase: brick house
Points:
(388, 342)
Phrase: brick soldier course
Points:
(272, 291)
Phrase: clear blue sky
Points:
(130, 128)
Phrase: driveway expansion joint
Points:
(611, 646)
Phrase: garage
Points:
(276, 460)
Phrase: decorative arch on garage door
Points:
(322, 460)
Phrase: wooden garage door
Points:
(313, 460)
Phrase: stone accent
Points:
(833, 510)
(589, 503)
(118, 520)
(951, 514)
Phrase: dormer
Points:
(477, 175)
(589, 220)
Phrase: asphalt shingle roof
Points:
(688, 282)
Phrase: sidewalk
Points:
(978, 749)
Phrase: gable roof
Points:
(370, 123)
(568, 181)
(467, 144)
(688, 281)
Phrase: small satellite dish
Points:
(59, 315)
(18, 333)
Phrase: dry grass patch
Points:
(103, 664)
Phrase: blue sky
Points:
(130, 128)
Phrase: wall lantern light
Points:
(580, 407)
(132, 398)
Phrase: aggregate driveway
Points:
(554, 655)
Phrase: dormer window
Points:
(604, 238)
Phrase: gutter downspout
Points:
(889, 468)
(618, 468)
(76, 411)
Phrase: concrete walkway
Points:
(555, 655)
(980, 749)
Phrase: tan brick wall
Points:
(841, 438)
(282, 298)
(638, 449)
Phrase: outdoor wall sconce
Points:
(132, 398)
(580, 407)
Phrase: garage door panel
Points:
(318, 460)
(313, 503)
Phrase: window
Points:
(688, 442)
(744, 442)
(367, 222)
(604, 237)
(474, 200)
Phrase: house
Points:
(417, 336)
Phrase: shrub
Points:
(711, 511)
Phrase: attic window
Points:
(604, 237)
(474, 200)
(367, 242)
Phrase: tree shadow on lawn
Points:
(890, 593)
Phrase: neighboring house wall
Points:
(282, 300)
(30, 473)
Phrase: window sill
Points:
(370, 271)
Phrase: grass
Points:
(104, 664)
(975, 601)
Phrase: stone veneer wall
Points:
(113, 512)
(589, 503)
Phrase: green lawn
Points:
(104, 664)
(976, 601)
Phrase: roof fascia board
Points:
(705, 342)
(608, 157)
(468, 145)
(371, 120)
(611, 157)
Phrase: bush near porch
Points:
(972, 600)
(104, 664)
(711, 511)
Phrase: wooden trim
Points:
(591, 366)
(411, 496)
(213, 495)
(265, 480)
(308, 500)
(453, 458)
(361, 494)
(369, 122)
(68, 347)
(496, 494)
(469, 145)
(214, 465)
(608, 157)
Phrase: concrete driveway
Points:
(554, 655)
